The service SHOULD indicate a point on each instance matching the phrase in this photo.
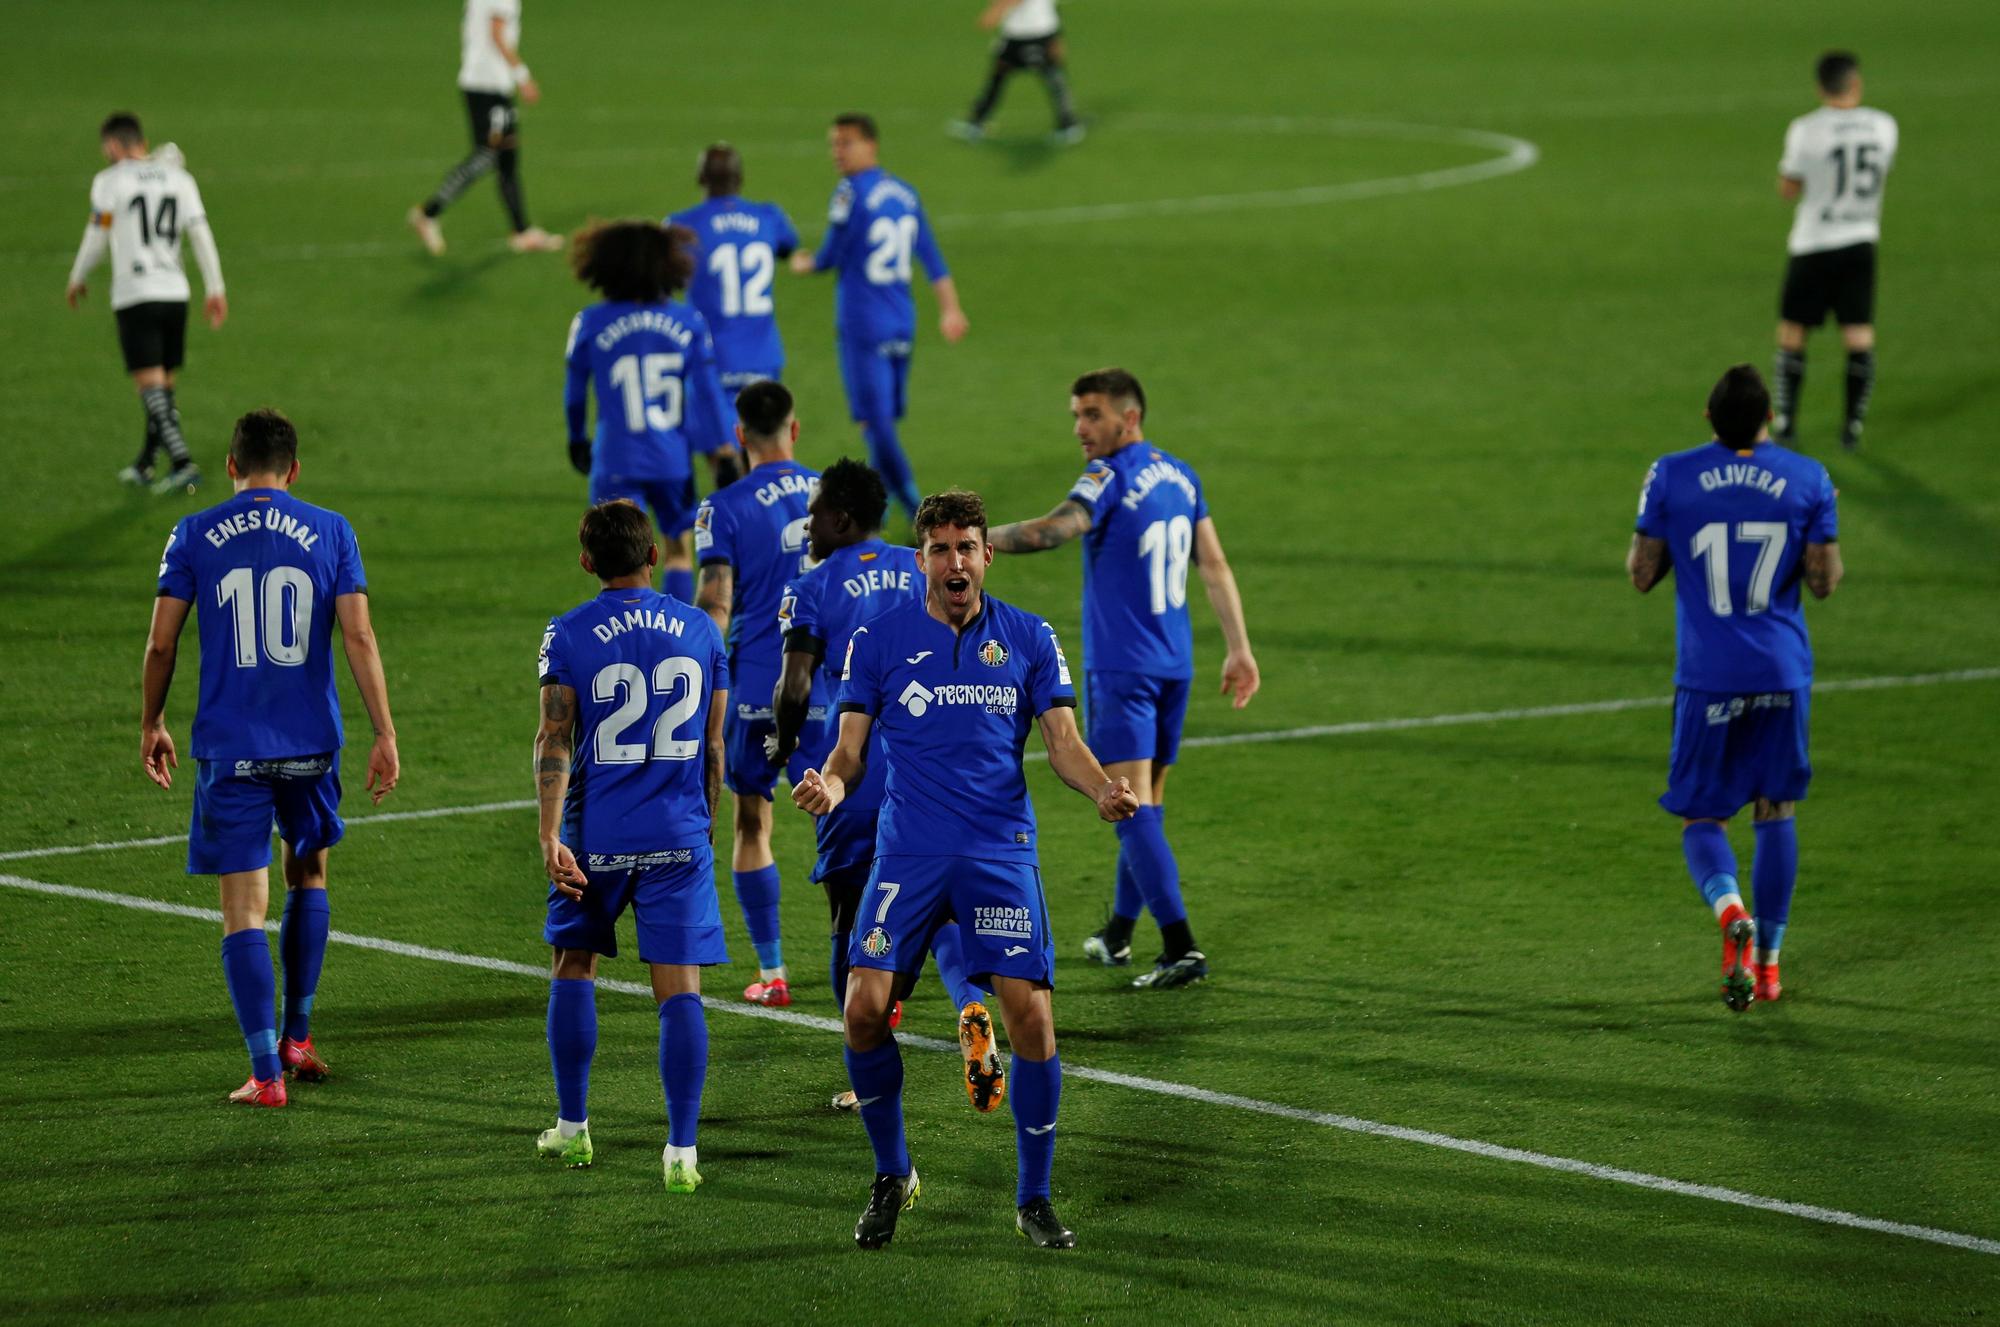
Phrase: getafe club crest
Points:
(876, 943)
(993, 654)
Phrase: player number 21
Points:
(287, 600)
(651, 386)
(1711, 548)
(669, 675)
(1166, 545)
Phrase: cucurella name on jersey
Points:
(644, 320)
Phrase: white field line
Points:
(1218, 739)
(1158, 1087)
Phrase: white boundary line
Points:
(1217, 739)
(1158, 1087)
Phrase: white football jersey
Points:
(480, 65)
(1843, 157)
(147, 205)
(1030, 20)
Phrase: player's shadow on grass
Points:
(1919, 513)
(448, 279)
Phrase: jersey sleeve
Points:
(1890, 138)
(1092, 490)
(718, 659)
(576, 382)
(191, 206)
(709, 411)
(102, 201)
(799, 616)
(348, 577)
(714, 535)
(1792, 164)
(784, 235)
(926, 249)
(1200, 498)
(839, 219)
(1049, 685)
(177, 566)
(1652, 520)
(1823, 518)
(552, 663)
(861, 675)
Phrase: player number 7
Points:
(889, 890)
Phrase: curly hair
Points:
(850, 487)
(641, 261)
(954, 506)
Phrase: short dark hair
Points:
(861, 124)
(264, 443)
(764, 406)
(123, 126)
(641, 261)
(1836, 71)
(721, 170)
(617, 536)
(854, 488)
(954, 506)
(1114, 383)
(1740, 406)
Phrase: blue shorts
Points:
(1729, 750)
(1003, 920)
(235, 802)
(746, 770)
(877, 377)
(673, 901)
(1135, 716)
(735, 380)
(846, 842)
(673, 500)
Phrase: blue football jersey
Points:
(757, 526)
(953, 711)
(820, 611)
(263, 570)
(658, 399)
(741, 245)
(1143, 505)
(645, 668)
(876, 224)
(1736, 526)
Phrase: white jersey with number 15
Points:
(1842, 157)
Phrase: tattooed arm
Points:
(554, 743)
(1646, 562)
(1064, 523)
(711, 756)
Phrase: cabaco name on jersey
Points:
(1742, 476)
(637, 619)
(1154, 475)
(874, 579)
(645, 320)
(775, 491)
(274, 522)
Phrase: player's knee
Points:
(1791, 336)
(1768, 810)
(865, 1016)
(1859, 336)
(753, 818)
(573, 965)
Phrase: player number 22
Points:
(669, 675)
(1166, 545)
(744, 276)
(651, 385)
(1711, 548)
(287, 601)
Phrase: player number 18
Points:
(1166, 545)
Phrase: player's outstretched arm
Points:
(1240, 677)
(1823, 569)
(555, 742)
(791, 703)
(364, 660)
(819, 791)
(1068, 519)
(1076, 766)
(163, 641)
(952, 322)
(214, 303)
(1647, 562)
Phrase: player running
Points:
(140, 208)
(628, 768)
(875, 225)
(652, 362)
(953, 683)
(1747, 521)
(739, 245)
(1030, 37)
(854, 578)
(1836, 160)
(751, 538)
(272, 574)
(1143, 517)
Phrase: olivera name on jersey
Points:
(1742, 476)
(643, 320)
(272, 522)
(1154, 475)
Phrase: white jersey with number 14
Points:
(148, 204)
(1842, 157)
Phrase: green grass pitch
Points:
(1422, 416)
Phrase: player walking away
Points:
(751, 539)
(739, 245)
(1030, 37)
(953, 684)
(875, 225)
(652, 362)
(1142, 517)
(490, 72)
(854, 578)
(272, 575)
(628, 767)
(1836, 160)
(140, 207)
(1747, 521)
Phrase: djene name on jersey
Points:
(273, 522)
(873, 579)
(1150, 478)
(643, 320)
(637, 619)
(1742, 476)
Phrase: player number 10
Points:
(1166, 545)
(651, 386)
(1711, 547)
(286, 635)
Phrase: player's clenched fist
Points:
(1116, 801)
(816, 794)
(563, 872)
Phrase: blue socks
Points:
(1710, 860)
(1035, 1091)
(877, 1079)
(1773, 872)
(950, 950)
(885, 453)
(1127, 902)
(302, 942)
(253, 989)
(683, 1064)
(1143, 841)
(678, 582)
(757, 892)
(572, 1043)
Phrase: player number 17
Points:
(1711, 548)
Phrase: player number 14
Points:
(1711, 548)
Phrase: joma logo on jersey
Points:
(918, 698)
(1006, 923)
